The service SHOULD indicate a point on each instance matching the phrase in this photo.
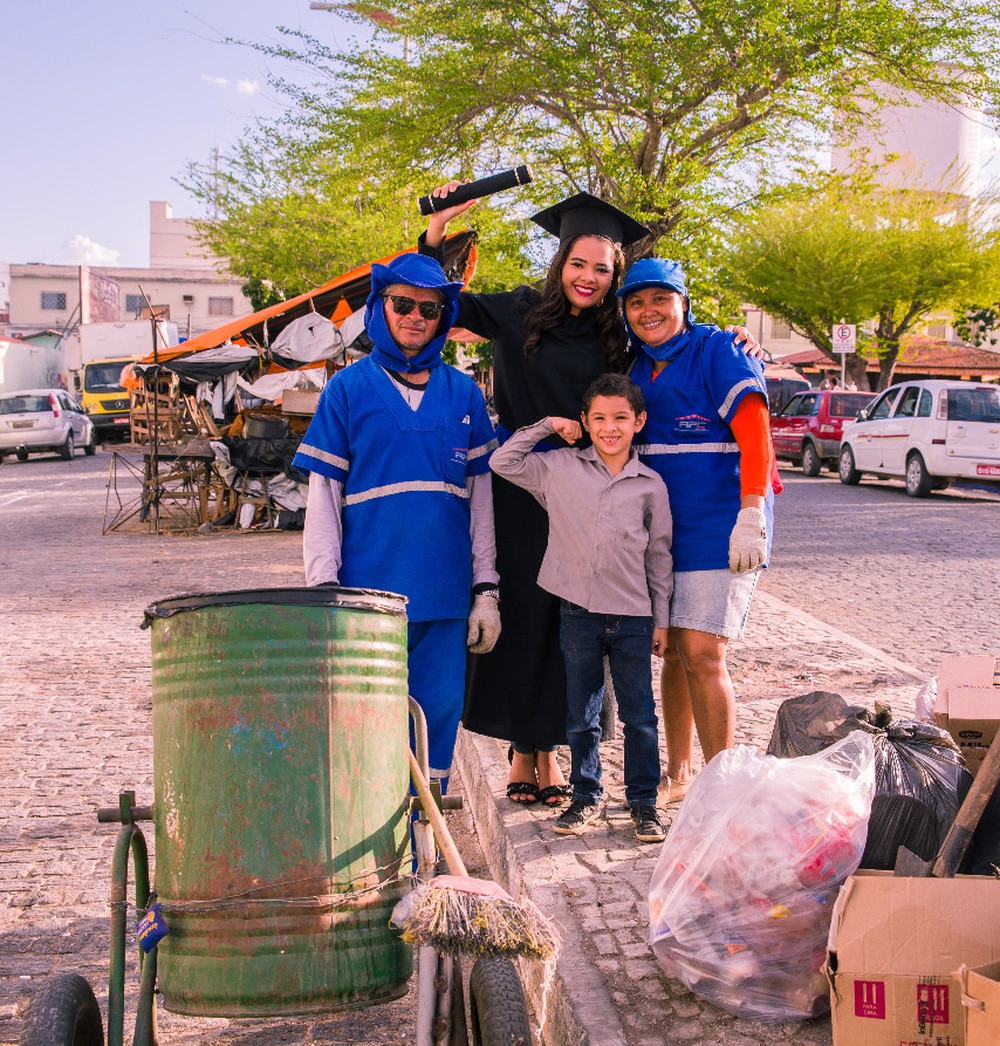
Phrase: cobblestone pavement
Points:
(869, 588)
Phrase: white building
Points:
(185, 283)
(915, 143)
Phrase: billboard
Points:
(99, 297)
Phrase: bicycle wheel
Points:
(499, 1014)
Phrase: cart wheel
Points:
(499, 1010)
(63, 1012)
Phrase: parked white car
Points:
(38, 420)
(929, 433)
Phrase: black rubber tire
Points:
(90, 449)
(918, 481)
(66, 450)
(846, 470)
(63, 1012)
(811, 461)
(22, 455)
(499, 1011)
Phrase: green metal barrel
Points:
(281, 795)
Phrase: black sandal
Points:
(525, 788)
(555, 795)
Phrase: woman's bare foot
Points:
(552, 787)
(522, 772)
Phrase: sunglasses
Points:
(403, 306)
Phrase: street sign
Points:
(844, 338)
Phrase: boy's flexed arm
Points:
(516, 462)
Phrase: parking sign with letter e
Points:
(844, 338)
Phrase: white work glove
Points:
(748, 541)
(484, 624)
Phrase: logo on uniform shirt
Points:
(692, 423)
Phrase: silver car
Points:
(38, 420)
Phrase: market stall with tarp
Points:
(216, 420)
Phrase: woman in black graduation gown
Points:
(548, 347)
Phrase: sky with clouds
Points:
(106, 103)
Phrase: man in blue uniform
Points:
(399, 488)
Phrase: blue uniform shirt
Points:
(687, 439)
(406, 516)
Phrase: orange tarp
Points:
(335, 300)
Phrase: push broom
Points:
(456, 913)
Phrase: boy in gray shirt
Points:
(608, 559)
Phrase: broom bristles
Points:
(478, 921)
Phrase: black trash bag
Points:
(920, 775)
(295, 474)
(917, 762)
(262, 457)
(805, 725)
(290, 519)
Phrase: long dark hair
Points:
(553, 309)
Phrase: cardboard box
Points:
(301, 401)
(968, 704)
(893, 948)
(973, 720)
(981, 1002)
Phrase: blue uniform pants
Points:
(436, 652)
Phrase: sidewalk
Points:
(606, 988)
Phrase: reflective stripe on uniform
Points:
(414, 486)
(325, 455)
(750, 383)
(478, 452)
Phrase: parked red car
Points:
(809, 427)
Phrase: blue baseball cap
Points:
(416, 270)
(411, 270)
(653, 272)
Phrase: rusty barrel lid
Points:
(305, 596)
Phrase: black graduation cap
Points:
(587, 215)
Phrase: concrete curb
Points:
(570, 1000)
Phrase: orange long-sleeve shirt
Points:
(751, 427)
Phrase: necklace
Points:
(411, 391)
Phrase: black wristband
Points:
(486, 588)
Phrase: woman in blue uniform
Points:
(707, 435)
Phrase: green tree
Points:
(677, 112)
(978, 324)
(292, 219)
(878, 257)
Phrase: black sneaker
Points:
(577, 818)
(647, 825)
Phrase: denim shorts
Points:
(713, 601)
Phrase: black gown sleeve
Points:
(491, 316)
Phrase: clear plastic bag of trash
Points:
(741, 898)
